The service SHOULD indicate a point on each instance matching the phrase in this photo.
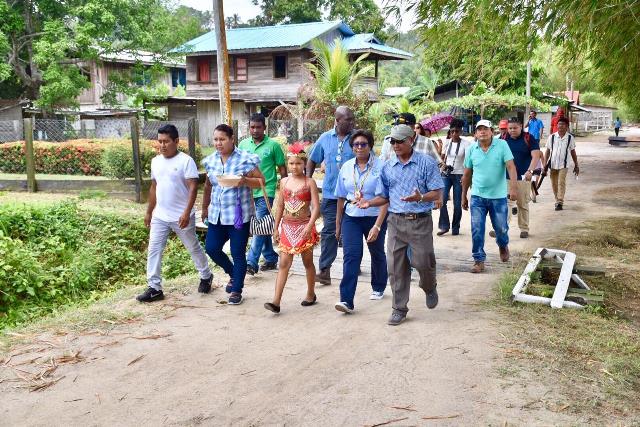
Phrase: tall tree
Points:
(45, 42)
(604, 33)
(363, 16)
(288, 11)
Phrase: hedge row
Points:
(83, 157)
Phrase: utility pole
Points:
(222, 59)
(528, 107)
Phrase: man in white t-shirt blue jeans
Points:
(174, 187)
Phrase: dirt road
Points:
(193, 361)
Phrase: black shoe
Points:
(251, 270)
(306, 303)
(455, 232)
(235, 298)
(267, 266)
(558, 206)
(441, 232)
(205, 285)
(432, 299)
(150, 295)
(229, 286)
(272, 307)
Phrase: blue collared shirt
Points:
(223, 199)
(326, 150)
(399, 180)
(535, 126)
(346, 187)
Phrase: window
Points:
(178, 77)
(203, 70)
(241, 69)
(280, 67)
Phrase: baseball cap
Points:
(486, 123)
(504, 124)
(401, 132)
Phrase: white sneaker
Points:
(343, 307)
(376, 295)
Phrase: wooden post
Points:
(222, 59)
(196, 130)
(137, 166)
(192, 138)
(235, 132)
(30, 159)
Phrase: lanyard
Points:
(340, 145)
(358, 187)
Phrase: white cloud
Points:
(247, 10)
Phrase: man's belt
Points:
(413, 215)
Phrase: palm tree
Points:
(335, 75)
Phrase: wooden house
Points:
(266, 68)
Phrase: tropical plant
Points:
(335, 75)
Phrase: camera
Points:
(446, 170)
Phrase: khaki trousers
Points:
(417, 234)
(559, 183)
(524, 196)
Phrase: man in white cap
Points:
(410, 182)
(485, 163)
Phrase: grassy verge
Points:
(593, 355)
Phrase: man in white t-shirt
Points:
(452, 171)
(560, 146)
(174, 187)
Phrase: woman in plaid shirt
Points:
(228, 210)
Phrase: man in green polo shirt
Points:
(485, 162)
(271, 158)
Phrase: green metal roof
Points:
(289, 36)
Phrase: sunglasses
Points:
(360, 144)
(395, 141)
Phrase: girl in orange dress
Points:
(297, 208)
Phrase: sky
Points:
(247, 10)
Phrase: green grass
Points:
(43, 176)
(593, 354)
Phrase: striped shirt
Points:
(399, 180)
(223, 199)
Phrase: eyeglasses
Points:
(360, 144)
(395, 141)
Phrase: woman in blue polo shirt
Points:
(358, 179)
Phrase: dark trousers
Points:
(328, 241)
(353, 230)
(443, 223)
(617, 130)
(217, 236)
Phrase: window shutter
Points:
(203, 70)
(241, 69)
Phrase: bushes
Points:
(113, 159)
(56, 255)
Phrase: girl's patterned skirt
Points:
(291, 236)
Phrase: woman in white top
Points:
(452, 170)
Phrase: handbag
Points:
(265, 225)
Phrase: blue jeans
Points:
(498, 211)
(328, 241)
(455, 182)
(261, 245)
(217, 236)
(353, 229)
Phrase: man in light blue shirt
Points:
(410, 182)
(485, 163)
(334, 150)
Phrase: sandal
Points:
(306, 303)
(272, 307)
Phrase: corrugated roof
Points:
(368, 42)
(289, 36)
(277, 36)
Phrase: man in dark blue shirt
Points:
(526, 154)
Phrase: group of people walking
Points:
(365, 200)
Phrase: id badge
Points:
(338, 158)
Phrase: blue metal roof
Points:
(369, 43)
(288, 36)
